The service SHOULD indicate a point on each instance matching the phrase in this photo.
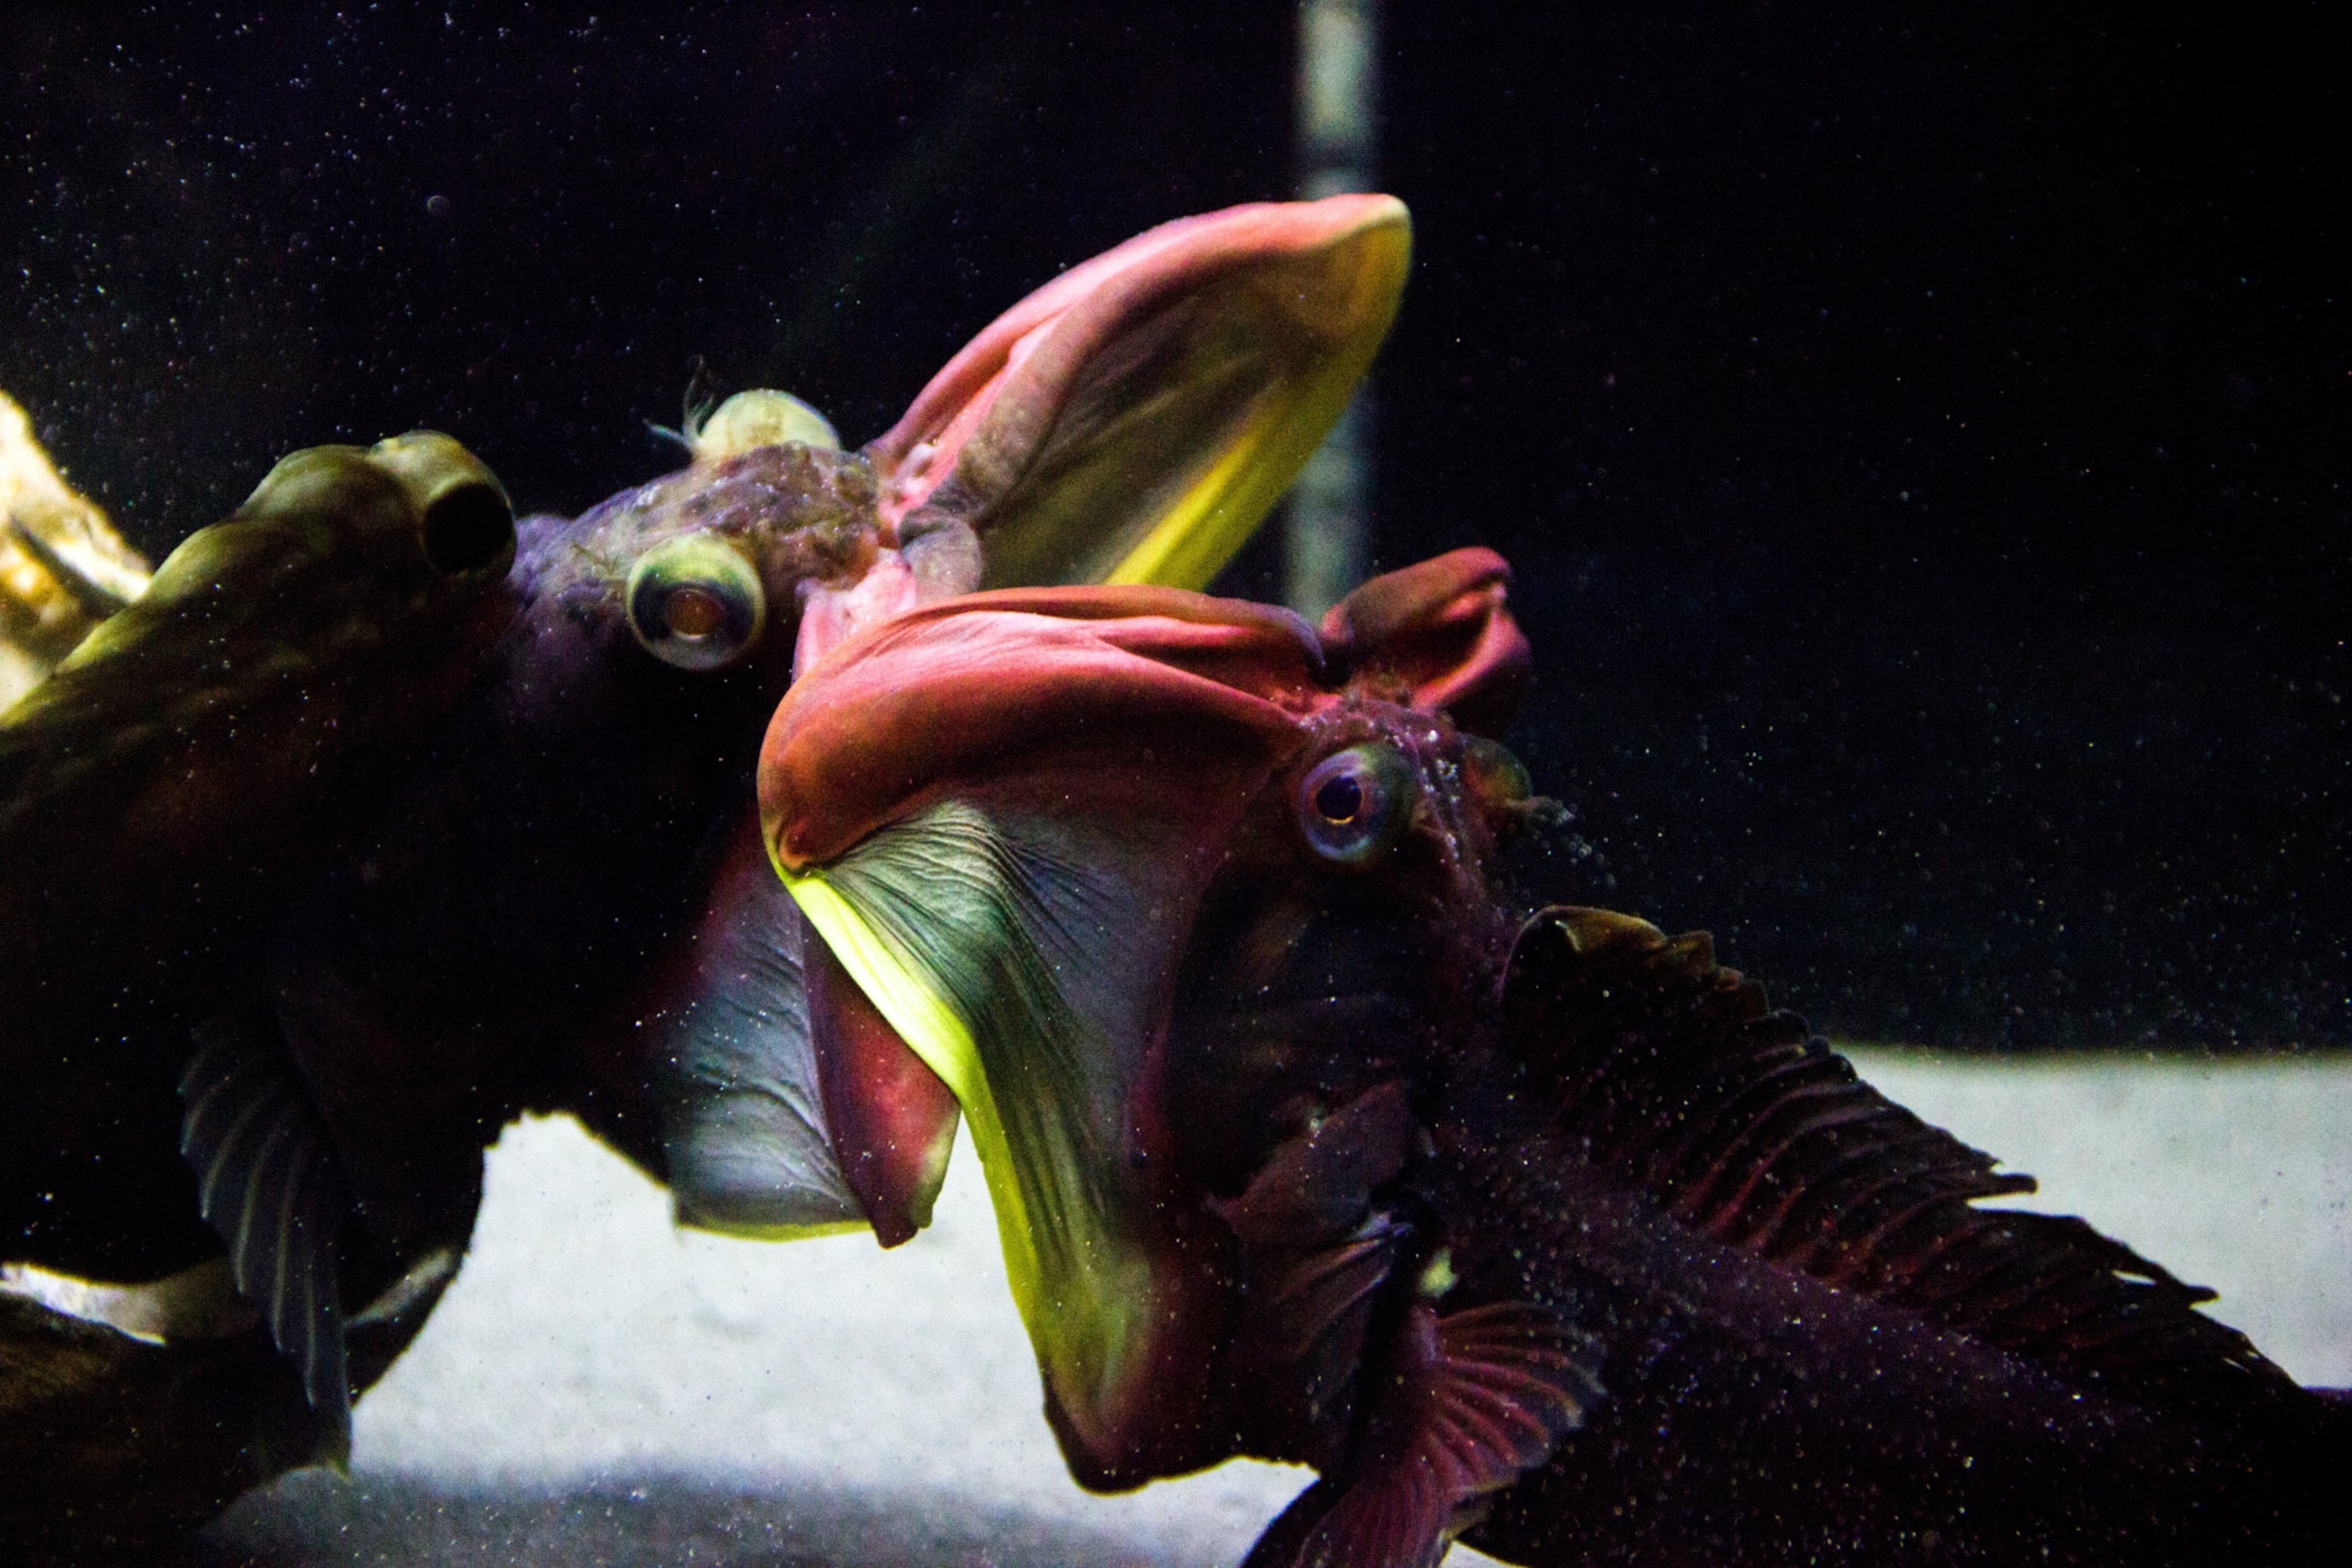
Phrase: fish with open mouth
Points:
(1531, 1227)
(222, 1223)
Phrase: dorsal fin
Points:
(1688, 1086)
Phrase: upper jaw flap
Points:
(999, 813)
(1132, 420)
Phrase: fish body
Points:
(1531, 1228)
(487, 946)
(165, 791)
(464, 932)
(165, 794)
(1806, 1341)
(325, 1074)
(1756, 1412)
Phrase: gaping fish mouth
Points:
(971, 939)
(1003, 815)
(1130, 422)
(998, 811)
(1018, 929)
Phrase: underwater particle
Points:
(437, 205)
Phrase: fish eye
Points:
(696, 603)
(465, 527)
(1354, 806)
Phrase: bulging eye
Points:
(694, 601)
(1354, 805)
(467, 527)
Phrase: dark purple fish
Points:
(1536, 1229)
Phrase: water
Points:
(1919, 445)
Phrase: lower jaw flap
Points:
(893, 1122)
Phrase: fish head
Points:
(534, 873)
(1145, 879)
(1350, 928)
(1355, 919)
(701, 573)
(334, 536)
(274, 659)
(1130, 421)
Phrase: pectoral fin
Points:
(1315, 1254)
(1303, 1325)
(268, 1181)
(1470, 1402)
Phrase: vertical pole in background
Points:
(1327, 531)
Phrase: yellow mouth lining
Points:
(1088, 1299)
(1218, 511)
(933, 1032)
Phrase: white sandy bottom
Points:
(600, 1388)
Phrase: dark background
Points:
(1922, 442)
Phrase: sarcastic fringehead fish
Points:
(1538, 1229)
(164, 792)
(556, 897)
